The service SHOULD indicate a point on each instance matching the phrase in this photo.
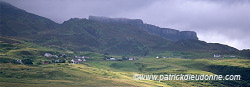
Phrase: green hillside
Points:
(38, 70)
(15, 21)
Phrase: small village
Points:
(74, 59)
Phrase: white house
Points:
(47, 54)
(157, 57)
(77, 57)
(131, 59)
(56, 61)
(76, 61)
(50, 55)
(216, 56)
(112, 58)
(85, 57)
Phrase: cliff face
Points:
(116, 20)
(167, 33)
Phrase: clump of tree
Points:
(125, 58)
(141, 67)
(27, 61)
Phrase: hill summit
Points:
(167, 33)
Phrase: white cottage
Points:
(47, 54)
(131, 58)
(76, 61)
(217, 56)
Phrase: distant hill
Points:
(15, 21)
(116, 36)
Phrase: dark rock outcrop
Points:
(167, 33)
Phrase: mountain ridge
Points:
(166, 33)
(114, 38)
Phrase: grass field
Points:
(96, 72)
(102, 73)
(65, 75)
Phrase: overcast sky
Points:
(217, 21)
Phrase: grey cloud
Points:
(62, 10)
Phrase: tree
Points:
(124, 58)
(141, 67)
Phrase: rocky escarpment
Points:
(167, 33)
(116, 20)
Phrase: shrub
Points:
(27, 61)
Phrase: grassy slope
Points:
(97, 72)
(181, 66)
(55, 74)
(66, 75)
(100, 73)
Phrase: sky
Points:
(214, 21)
